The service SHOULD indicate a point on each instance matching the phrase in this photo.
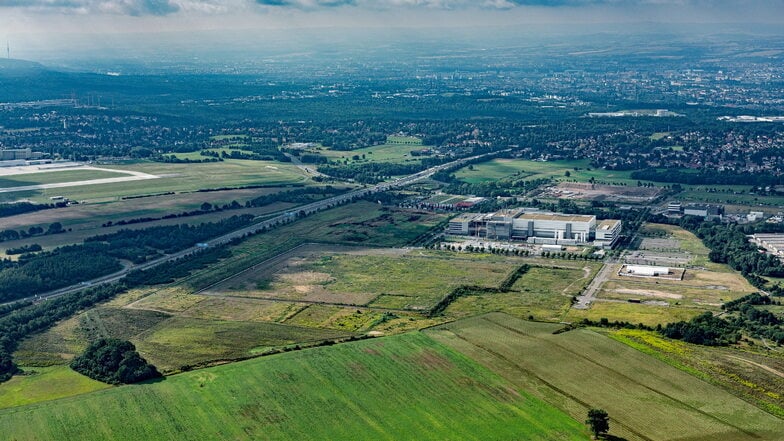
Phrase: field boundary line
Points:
(615, 372)
(543, 381)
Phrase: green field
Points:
(361, 223)
(751, 371)
(544, 293)
(183, 341)
(175, 178)
(646, 399)
(401, 281)
(724, 194)
(405, 387)
(504, 168)
(56, 177)
(411, 140)
(390, 152)
(44, 384)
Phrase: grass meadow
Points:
(404, 387)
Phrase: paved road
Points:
(589, 295)
(309, 169)
(290, 216)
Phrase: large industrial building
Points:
(18, 154)
(773, 243)
(537, 227)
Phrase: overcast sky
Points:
(44, 22)
(97, 16)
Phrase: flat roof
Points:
(607, 224)
(558, 217)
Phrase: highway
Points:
(289, 216)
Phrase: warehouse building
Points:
(536, 227)
(773, 243)
(645, 270)
(707, 211)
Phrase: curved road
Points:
(289, 216)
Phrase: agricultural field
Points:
(349, 391)
(159, 318)
(753, 372)
(579, 369)
(44, 384)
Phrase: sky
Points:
(38, 23)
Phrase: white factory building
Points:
(645, 270)
(537, 227)
(773, 243)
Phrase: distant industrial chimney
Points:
(8, 49)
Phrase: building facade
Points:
(536, 227)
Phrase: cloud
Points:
(307, 4)
(632, 8)
(121, 7)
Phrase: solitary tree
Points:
(599, 422)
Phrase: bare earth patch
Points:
(648, 293)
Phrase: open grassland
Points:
(544, 293)
(360, 223)
(525, 169)
(399, 281)
(174, 178)
(56, 177)
(646, 399)
(410, 140)
(754, 373)
(181, 342)
(621, 311)
(390, 152)
(44, 384)
(56, 346)
(349, 391)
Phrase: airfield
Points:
(66, 175)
